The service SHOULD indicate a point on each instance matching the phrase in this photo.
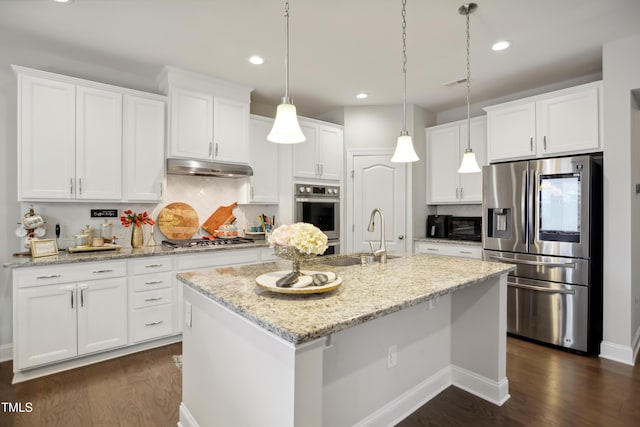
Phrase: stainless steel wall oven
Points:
(319, 205)
(545, 217)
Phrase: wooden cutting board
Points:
(178, 221)
(222, 215)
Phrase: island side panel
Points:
(362, 387)
(479, 339)
(235, 373)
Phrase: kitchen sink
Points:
(353, 260)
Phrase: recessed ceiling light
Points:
(256, 60)
(362, 95)
(501, 45)
(62, 1)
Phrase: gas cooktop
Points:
(202, 242)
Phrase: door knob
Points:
(401, 236)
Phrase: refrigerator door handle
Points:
(523, 208)
(541, 289)
(535, 263)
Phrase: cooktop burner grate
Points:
(194, 243)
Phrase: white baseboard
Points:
(489, 390)
(6, 352)
(186, 419)
(618, 353)
(408, 402)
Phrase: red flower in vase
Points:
(136, 218)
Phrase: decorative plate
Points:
(303, 286)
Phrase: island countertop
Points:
(368, 292)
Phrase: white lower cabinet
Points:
(449, 249)
(152, 298)
(63, 312)
(65, 319)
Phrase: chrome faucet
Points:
(382, 252)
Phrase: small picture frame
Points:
(44, 247)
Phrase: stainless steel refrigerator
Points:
(545, 217)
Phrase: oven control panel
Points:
(317, 190)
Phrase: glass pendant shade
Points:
(286, 129)
(469, 163)
(405, 153)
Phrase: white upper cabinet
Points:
(98, 144)
(46, 135)
(321, 155)
(73, 139)
(263, 159)
(231, 130)
(567, 121)
(144, 140)
(445, 147)
(208, 118)
(191, 124)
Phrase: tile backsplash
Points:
(204, 194)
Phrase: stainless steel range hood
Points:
(205, 168)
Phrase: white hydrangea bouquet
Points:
(297, 242)
(303, 237)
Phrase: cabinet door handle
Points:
(153, 265)
(462, 192)
(433, 249)
(72, 304)
(153, 299)
(153, 282)
(102, 271)
(531, 144)
(80, 185)
(466, 252)
(400, 237)
(71, 186)
(544, 142)
(82, 297)
(457, 192)
(216, 152)
(49, 276)
(153, 323)
(161, 190)
(210, 149)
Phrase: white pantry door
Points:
(378, 183)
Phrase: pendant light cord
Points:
(468, 83)
(404, 67)
(286, 99)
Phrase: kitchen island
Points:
(390, 338)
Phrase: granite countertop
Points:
(65, 257)
(447, 241)
(369, 291)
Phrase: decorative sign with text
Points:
(104, 213)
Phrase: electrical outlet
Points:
(187, 313)
(392, 356)
(637, 188)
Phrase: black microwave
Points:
(464, 228)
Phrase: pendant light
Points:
(469, 162)
(286, 129)
(405, 153)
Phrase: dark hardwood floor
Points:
(548, 387)
(139, 390)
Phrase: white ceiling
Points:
(338, 47)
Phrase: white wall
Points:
(621, 75)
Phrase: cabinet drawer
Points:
(152, 322)
(151, 298)
(146, 282)
(151, 264)
(216, 258)
(446, 249)
(53, 274)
